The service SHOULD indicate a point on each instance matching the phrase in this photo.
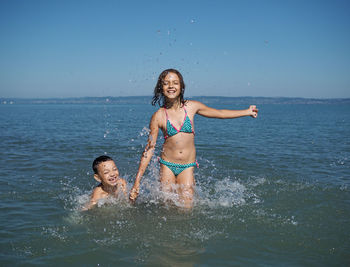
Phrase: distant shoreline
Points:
(147, 99)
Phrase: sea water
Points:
(269, 191)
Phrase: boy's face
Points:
(107, 173)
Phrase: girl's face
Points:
(171, 86)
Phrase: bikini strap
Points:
(189, 120)
(166, 124)
(166, 113)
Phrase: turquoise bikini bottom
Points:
(177, 168)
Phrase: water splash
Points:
(222, 193)
(145, 131)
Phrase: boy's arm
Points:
(209, 112)
(146, 156)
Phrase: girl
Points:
(175, 119)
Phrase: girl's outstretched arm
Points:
(209, 112)
(146, 156)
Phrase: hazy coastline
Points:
(147, 99)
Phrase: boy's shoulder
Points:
(98, 192)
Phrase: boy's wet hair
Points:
(99, 160)
(158, 97)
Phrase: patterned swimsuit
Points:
(171, 130)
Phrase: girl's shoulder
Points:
(192, 105)
(159, 115)
(160, 112)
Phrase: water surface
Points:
(270, 191)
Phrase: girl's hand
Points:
(253, 111)
(134, 192)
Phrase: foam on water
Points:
(219, 203)
(214, 192)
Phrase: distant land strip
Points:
(147, 99)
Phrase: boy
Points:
(107, 174)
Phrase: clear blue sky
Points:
(227, 48)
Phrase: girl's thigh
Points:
(186, 178)
(185, 187)
(167, 178)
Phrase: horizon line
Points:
(80, 97)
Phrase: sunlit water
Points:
(270, 191)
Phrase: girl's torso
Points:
(178, 130)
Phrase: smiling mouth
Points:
(171, 91)
(112, 180)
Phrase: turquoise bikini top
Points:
(186, 126)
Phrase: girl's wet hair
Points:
(99, 160)
(158, 97)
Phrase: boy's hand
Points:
(134, 192)
(253, 111)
